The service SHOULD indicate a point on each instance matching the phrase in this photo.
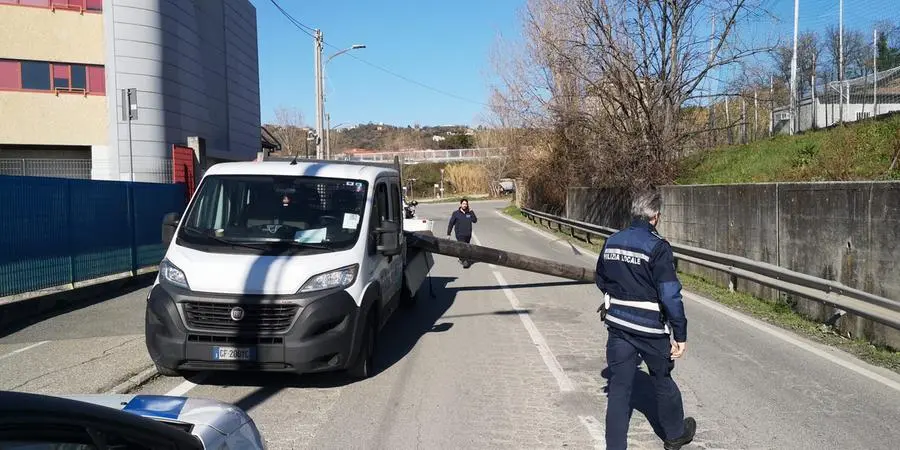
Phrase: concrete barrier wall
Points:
(846, 232)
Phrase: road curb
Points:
(135, 381)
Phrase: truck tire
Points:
(364, 367)
(167, 372)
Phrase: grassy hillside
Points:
(861, 151)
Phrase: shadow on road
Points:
(15, 317)
(396, 340)
(643, 399)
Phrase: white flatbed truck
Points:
(283, 266)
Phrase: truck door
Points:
(397, 216)
(388, 273)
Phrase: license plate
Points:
(232, 354)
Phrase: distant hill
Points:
(373, 136)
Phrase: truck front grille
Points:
(218, 316)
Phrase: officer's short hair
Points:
(646, 204)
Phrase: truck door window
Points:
(395, 202)
(381, 207)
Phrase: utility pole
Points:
(320, 106)
(794, 69)
(771, 105)
(327, 136)
(755, 114)
(743, 119)
(714, 87)
(841, 64)
(875, 75)
(814, 108)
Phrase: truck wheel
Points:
(167, 372)
(365, 361)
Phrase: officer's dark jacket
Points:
(462, 221)
(637, 270)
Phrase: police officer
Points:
(645, 319)
(462, 219)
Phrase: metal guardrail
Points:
(878, 309)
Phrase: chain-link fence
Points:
(55, 168)
(156, 170)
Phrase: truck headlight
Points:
(172, 274)
(339, 278)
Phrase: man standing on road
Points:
(462, 219)
(642, 307)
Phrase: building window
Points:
(51, 77)
(78, 76)
(36, 75)
(9, 75)
(74, 5)
(96, 80)
(61, 77)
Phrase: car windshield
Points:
(265, 212)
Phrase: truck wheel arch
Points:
(368, 306)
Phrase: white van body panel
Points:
(256, 275)
(284, 275)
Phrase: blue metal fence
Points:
(55, 232)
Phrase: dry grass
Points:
(467, 177)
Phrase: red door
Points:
(184, 168)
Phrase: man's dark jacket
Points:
(636, 269)
(462, 221)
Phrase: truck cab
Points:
(282, 266)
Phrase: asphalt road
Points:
(500, 358)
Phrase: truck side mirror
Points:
(169, 225)
(389, 244)
(414, 203)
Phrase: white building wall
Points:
(195, 66)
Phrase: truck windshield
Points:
(262, 212)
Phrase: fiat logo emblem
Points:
(237, 313)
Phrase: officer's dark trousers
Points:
(622, 350)
(465, 239)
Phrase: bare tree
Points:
(855, 52)
(607, 88)
(289, 130)
(809, 58)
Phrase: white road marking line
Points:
(784, 336)
(565, 384)
(16, 352)
(185, 387)
(596, 430)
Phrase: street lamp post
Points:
(322, 140)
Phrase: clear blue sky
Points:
(444, 44)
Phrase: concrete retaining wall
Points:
(846, 232)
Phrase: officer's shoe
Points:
(690, 427)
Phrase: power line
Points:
(300, 25)
(307, 29)
(407, 79)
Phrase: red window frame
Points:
(82, 6)
(94, 78)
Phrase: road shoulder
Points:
(878, 359)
